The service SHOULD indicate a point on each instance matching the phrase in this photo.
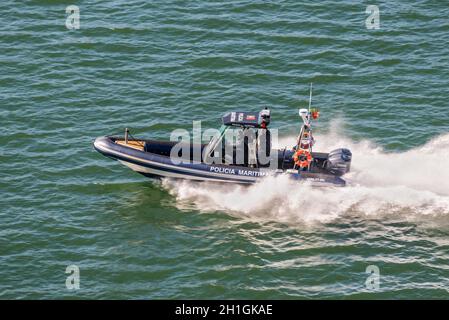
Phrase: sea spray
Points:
(414, 182)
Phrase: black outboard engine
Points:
(339, 161)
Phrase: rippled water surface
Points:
(155, 66)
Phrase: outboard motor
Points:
(339, 161)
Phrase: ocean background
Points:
(155, 66)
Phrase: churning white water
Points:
(415, 182)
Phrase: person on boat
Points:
(264, 138)
(242, 146)
(306, 141)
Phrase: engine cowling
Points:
(339, 161)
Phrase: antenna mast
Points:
(310, 98)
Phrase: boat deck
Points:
(135, 144)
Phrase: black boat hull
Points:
(147, 162)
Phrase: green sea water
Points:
(155, 66)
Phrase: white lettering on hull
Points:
(222, 170)
(240, 172)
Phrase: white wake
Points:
(415, 182)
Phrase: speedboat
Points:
(239, 152)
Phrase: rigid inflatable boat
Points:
(240, 152)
